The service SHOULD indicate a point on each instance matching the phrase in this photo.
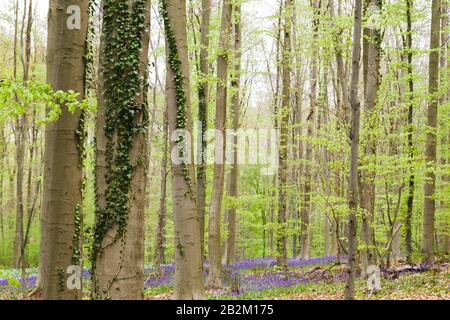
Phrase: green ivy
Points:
(175, 64)
(180, 94)
(76, 251)
(60, 276)
(123, 30)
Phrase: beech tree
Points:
(310, 123)
(354, 153)
(118, 244)
(62, 197)
(283, 115)
(203, 97)
(188, 259)
(411, 180)
(215, 209)
(233, 189)
(372, 47)
(431, 142)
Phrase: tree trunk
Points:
(29, 207)
(162, 215)
(234, 173)
(118, 248)
(342, 78)
(365, 46)
(296, 136)
(367, 180)
(62, 197)
(27, 47)
(16, 27)
(203, 98)
(323, 120)
(306, 207)
(354, 153)
(214, 246)
(396, 253)
(19, 131)
(151, 132)
(188, 260)
(283, 115)
(431, 141)
(276, 103)
(445, 156)
(411, 179)
(2, 168)
(20, 135)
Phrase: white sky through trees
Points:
(259, 25)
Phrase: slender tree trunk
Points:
(445, 156)
(27, 47)
(11, 184)
(326, 230)
(214, 246)
(342, 78)
(354, 153)
(365, 46)
(276, 103)
(20, 135)
(33, 135)
(283, 115)
(297, 133)
(62, 159)
(162, 215)
(22, 125)
(323, 120)
(188, 259)
(31, 198)
(203, 98)
(16, 27)
(118, 248)
(2, 169)
(153, 121)
(272, 217)
(334, 239)
(431, 141)
(20, 159)
(306, 208)
(234, 173)
(101, 141)
(372, 53)
(343, 105)
(151, 132)
(411, 179)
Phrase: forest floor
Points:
(326, 281)
(313, 279)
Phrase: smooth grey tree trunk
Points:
(215, 209)
(203, 97)
(431, 140)
(354, 153)
(162, 214)
(189, 282)
(234, 173)
(411, 179)
(62, 156)
(283, 116)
